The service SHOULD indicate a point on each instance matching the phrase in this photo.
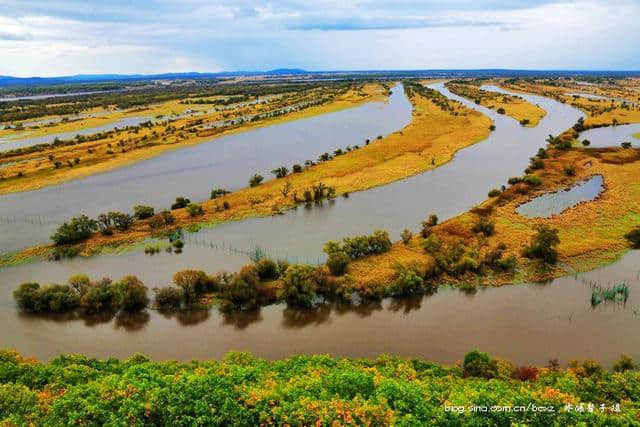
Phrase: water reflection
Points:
(556, 202)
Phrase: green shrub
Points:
(143, 212)
(407, 283)
(484, 226)
(180, 203)
(255, 180)
(478, 364)
(406, 236)
(267, 269)
(218, 192)
(169, 297)
(298, 286)
(586, 142)
(338, 263)
(194, 209)
(626, 144)
(625, 363)
(133, 294)
(494, 192)
(531, 180)
(193, 283)
(280, 172)
(74, 231)
(501, 111)
(543, 245)
(634, 237)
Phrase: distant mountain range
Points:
(94, 78)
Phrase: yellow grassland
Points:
(514, 106)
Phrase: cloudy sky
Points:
(59, 37)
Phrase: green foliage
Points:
(255, 180)
(194, 209)
(570, 170)
(74, 231)
(407, 283)
(302, 390)
(406, 236)
(484, 226)
(361, 246)
(218, 192)
(143, 212)
(478, 364)
(267, 269)
(298, 285)
(169, 297)
(531, 180)
(634, 237)
(338, 262)
(180, 203)
(625, 363)
(494, 192)
(193, 283)
(47, 299)
(280, 172)
(543, 245)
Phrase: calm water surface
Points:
(612, 136)
(556, 202)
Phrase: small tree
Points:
(255, 180)
(194, 209)
(280, 172)
(634, 237)
(143, 212)
(338, 263)
(478, 364)
(406, 236)
(543, 245)
(180, 203)
(298, 285)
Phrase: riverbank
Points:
(430, 140)
(56, 165)
(314, 390)
(515, 107)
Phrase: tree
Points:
(194, 209)
(132, 294)
(218, 192)
(298, 285)
(193, 283)
(634, 237)
(267, 269)
(338, 263)
(543, 245)
(76, 230)
(143, 212)
(478, 364)
(255, 180)
(280, 172)
(181, 202)
(169, 297)
(406, 236)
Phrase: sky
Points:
(63, 37)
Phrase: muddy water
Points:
(226, 162)
(612, 136)
(554, 203)
(528, 324)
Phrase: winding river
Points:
(226, 162)
(529, 323)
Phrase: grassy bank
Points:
(319, 390)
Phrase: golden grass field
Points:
(430, 140)
(591, 233)
(35, 170)
(515, 107)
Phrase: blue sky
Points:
(58, 37)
